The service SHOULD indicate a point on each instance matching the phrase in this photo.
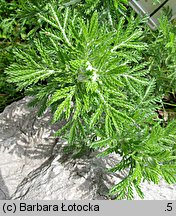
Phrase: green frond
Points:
(108, 125)
(115, 123)
(118, 70)
(121, 116)
(60, 94)
(138, 190)
(122, 165)
(148, 92)
(63, 107)
(22, 76)
(168, 174)
(78, 109)
(72, 133)
(93, 27)
(123, 189)
(129, 42)
(96, 116)
(100, 143)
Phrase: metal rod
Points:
(157, 9)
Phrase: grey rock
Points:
(26, 141)
(61, 178)
(23, 133)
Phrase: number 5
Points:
(169, 207)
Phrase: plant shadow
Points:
(90, 174)
(4, 192)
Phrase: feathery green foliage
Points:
(96, 70)
(162, 53)
(8, 30)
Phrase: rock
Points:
(13, 170)
(34, 167)
(60, 179)
(25, 143)
(23, 133)
(4, 192)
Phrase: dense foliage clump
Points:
(100, 68)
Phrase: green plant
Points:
(17, 29)
(92, 71)
(7, 31)
(162, 54)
